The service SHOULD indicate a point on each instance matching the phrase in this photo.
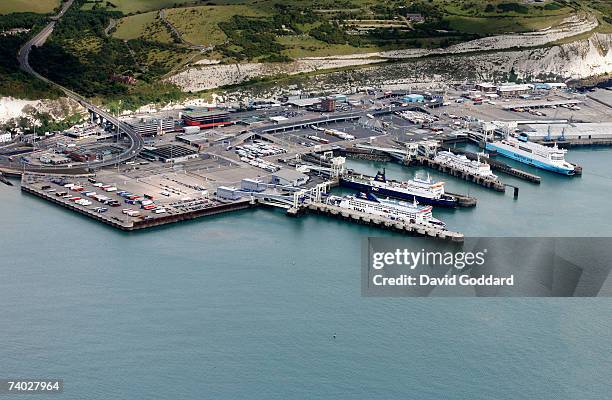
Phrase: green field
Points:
(145, 25)
(36, 6)
(140, 6)
(81, 56)
(494, 25)
(199, 25)
(303, 46)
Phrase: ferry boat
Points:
(462, 163)
(392, 209)
(530, 153)
(425, 191)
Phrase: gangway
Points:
(298, 199)
(399, 154)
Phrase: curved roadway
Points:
(136, 141)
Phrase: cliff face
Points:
(212, 76)
(11, 109)
(575, 60)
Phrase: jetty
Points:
(462, 200)
(4, 180)
(485, 181)
(497, 165)
(379, 221)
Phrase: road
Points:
(136, 141)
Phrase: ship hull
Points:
(529, 161)
(449, 202)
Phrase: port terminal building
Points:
(413, 98)
(169, 153)
(153, 126)
(206, 118)
(571, 131)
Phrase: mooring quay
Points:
(297, 203)
(488, 182)
(462, 200)
(115, 218)
(380, 222)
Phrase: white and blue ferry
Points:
(535, 154)
(425, 191)
(395, 210)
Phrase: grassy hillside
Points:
(80, 56)
(274, 30)
(147, 25)
(35, 6)
(142, 49)
(13, 81)
(200, 25)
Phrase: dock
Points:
(378, 221)
(462, 200)
(116, 219)
(488, 182)
(407, 158)
(40, 186)
(498, 166)
(4, 180)
(364, 154)
(508, 170)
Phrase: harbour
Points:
(192, 276)
(216, 161)
(485, 219)
(293, 200)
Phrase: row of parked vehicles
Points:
(145, 202)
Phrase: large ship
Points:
(530, 153)
(392, 209)
(462, 163)
(425, 191)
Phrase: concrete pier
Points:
(381, 222)
(462, 200)
(487, 182)
(363, 154)
(120, 221)
(498, 166)
(4, 180)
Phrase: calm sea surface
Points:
(245, 305)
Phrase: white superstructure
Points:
(462, 163)
(392, 209)
(549, 158)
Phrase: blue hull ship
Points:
(423, 191)
(559, 169)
